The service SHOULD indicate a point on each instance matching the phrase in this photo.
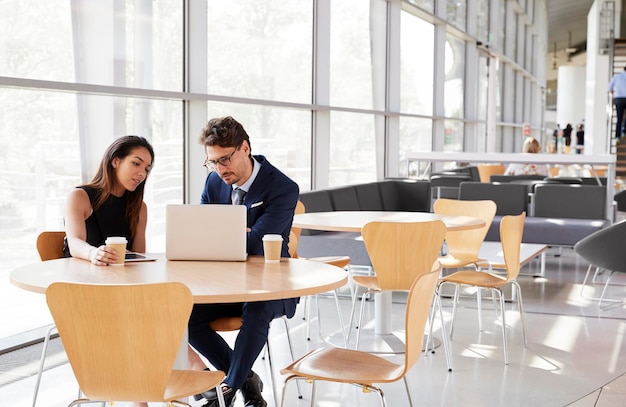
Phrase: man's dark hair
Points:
(223, 132)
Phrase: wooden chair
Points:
(338, 261)
(400, 252)
(463, 245)
(50, 247)
(511, 230)
(122, 341)
(486, 170)
(364, 369)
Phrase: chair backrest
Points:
(50, 245)
(605, 248)
(511, 231)
(405, 195)
(400, 252)
(121, 341)
(511, 199)
(417, 308)
(369, 196)
(485, 171)
(570, 201)
(294, 234)
(509, 178)
(344, 198)
(466, 243)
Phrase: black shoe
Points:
(208, 395)
(229, 398)
(251, 390)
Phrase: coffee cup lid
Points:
(273, 237)
(116, 240)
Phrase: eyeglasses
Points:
(223, 161)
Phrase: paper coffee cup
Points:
(117, 243)
(272, 246)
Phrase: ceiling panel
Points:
(567, 18)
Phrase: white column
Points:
(570, 106)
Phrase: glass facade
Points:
(332, 92)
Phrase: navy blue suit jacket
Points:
(271, 202)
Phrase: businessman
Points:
(237, 177)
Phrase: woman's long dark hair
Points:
(104, 181)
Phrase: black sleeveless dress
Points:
(109, 220)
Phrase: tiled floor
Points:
(575, 356)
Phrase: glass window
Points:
(456, 13)
(130, 44)
(416, 65)
(52, 142)
(453, 138)
(352, 148)
(454, 77)
(260, 49)
(428, 5)
(415, 135)
(482, 21)
(282, 135)
(355, 55)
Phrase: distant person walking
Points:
(580, 137)
(617, 87)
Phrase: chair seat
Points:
(339, 261)
(184, 383)
(370, 282)
(477, 278)
(226, 324)
(450, 261)
(346, 366)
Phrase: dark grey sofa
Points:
(559, 214)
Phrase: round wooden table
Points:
(353, 221)
(209, 281)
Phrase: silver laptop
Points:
(205, 232)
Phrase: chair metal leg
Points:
(352, 309)
(606, 285)
(287, 380)
(520, 309)
(359, 326)
(269, 360)
(444, 334)
(42, 361)
(431, 318)
(582, 288)
(596, 274)
(444, 338)
(381, 395)
(408, 391)
(313, 393)
(340, 316)
(454, 305)
(504, 341)
(308, 317)
(479, 305)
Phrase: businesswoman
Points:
(111, 204)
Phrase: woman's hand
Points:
(102, 256)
